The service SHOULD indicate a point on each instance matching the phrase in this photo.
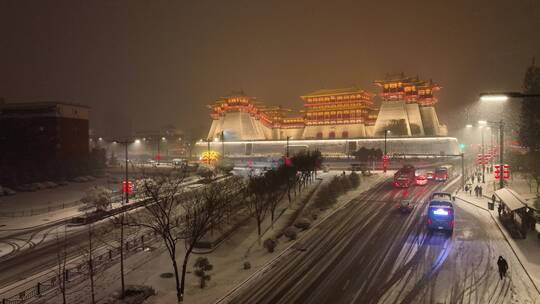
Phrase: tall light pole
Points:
(287, 152)
(386, 131)
(223, 144)
(501, 153)
(125, 143)
(483, 156)
(503, 96)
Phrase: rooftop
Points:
(342, 91)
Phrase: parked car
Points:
(8, 191)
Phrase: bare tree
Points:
(276, 188)
(88, 255)
(61, 261)
(255, 200)
(200, 215)
(162, 216)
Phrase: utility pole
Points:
(483, 158)
(158, 155)
(501, 153)
(385, 135)
(125, 143)
(223, 144)
(288, 137)
(462, 171)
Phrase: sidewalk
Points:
(527, 250)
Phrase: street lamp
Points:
(386, 132)
(502, 96)
(125, 143)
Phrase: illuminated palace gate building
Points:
(407, 109)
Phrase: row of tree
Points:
(264, 192)
(181, 217)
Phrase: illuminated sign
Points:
(440, 212)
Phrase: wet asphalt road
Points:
(369, 252)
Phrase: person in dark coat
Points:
(503, 267)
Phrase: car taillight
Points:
(452, 223)
(429, 221)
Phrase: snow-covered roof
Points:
(511, 199)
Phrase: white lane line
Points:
(346, 284)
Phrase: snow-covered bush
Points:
(270, 244)
(290, 233)
(302, 223)
(202, 265)
(355, 179)
(98, 197)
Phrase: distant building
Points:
(407, 109)
(43, 140)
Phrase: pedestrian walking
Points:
(503, 267)
(480, 191)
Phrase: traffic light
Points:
(506, 171)
(497, 171)
(461, 146)
(127, 187)
(158, 156)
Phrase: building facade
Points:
(42, 139)
(407, 109)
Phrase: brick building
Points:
(42, 140)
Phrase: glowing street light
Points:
(494, 97)
(504, 96)
(137, 141)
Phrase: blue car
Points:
(440, 216)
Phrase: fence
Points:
(80, 272)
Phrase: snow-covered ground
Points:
(47, 197)
(146, 268)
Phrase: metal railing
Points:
(80, 272)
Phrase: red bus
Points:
(405, 177)
(443, 173)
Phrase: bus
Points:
(442, 173)
(440, 215)
(405, 177)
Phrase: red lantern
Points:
(497, 171)
(506, 171)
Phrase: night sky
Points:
(148, 63)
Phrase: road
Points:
(368, 252)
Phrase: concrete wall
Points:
(415, 119)
(353, 130)
(391, 113)
(338, 147)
